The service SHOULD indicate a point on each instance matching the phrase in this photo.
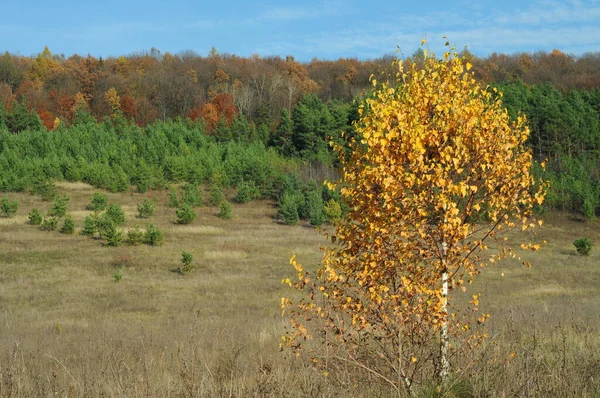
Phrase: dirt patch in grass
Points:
(196, 230)
(16, 220)
(75, 186)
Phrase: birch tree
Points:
(437, 172)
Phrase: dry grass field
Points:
(67, 329)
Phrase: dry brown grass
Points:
(67, 329)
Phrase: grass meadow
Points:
(68, 329)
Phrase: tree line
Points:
(150, 86)
(290, 109)
(565, 134)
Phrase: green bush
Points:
(111, 234)
(49, 224)
(35, 217)
(145, 209)
(173, 200)
(583, 246)
(186, 263)
(333, 211)
(115, 213)
(191, 196)
(142, 178)
(314, 203)
(216, 194)
(90, 225)
(217, 178)
(246, 192)
(225, 210)
(118, 275)
(153, 236)
(8, 208)
(99, 202)
(302, 204)
(185, 214)
(135, 236)
(120, 182)
(103, 224)
(68, 225)
(288, 208)
(59, 208)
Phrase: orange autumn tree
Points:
(437, 171)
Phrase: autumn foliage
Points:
(220, 107)
(437, 171)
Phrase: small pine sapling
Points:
(191, 196)
(135, 236)
(99, 202)
(112, 235)
(35, 217)
(145, 209)
(115, 213)
(216, 194)
(49, 223)
(225, 210)
(90, 225)
(46, 189)
(153, 236)
(59, 208)
(314, 204)
(68, 225)
(583, 246)
(288, 209)
(246, 192)
(185, 214)
(186, 263)
(118, 275)
(8, 208)
(173, 199)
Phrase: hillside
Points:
(69, 329)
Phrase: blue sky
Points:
(324, 29)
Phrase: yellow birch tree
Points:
(113, 100)
(437, 171)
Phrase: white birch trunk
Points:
(444, 363)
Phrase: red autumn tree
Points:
(221, 106)
(210, 114)
(47, 118)
(128, 107)
(225, 106)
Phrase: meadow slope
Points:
(68, 329)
